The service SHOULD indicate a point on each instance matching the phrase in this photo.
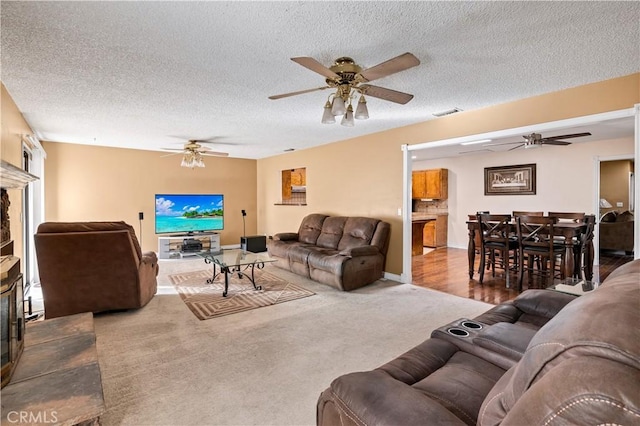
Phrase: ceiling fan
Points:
(193, 151)
(349, 79)
(535, 140)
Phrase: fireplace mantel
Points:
(12, 177)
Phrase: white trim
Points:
(636, 226)
(406, 275)
(392, 277)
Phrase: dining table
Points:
(570, 231)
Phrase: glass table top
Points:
(235, 257)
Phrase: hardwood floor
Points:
(447, 270)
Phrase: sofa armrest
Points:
(544, 303)
(286, 236)
(360, 251)
(373, 397)
(149, 257)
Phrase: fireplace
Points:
(12, 292)
(11, 322)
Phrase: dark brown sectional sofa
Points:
(546, 358)
(343, 252)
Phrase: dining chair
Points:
(497, 246)
(569, 216)
(536, 243)
(523, 213)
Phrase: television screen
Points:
(188, 213)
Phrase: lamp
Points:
(191, 159)
(341, 105)
(604, 204)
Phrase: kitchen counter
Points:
(425, 217)
(438, 225)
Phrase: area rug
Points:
(206, 300)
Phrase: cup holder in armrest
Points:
(458, 332)
(472, 325)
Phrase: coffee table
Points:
(235, 261)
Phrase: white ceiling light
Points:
(476, 142)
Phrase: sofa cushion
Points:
(609, 217)
(625, 216)
(331, 233)
(358, 231)
(310, 228)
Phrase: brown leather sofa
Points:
(616, 231)
(93, 267)
(545, 358)
(343, 252)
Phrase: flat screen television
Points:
(189, 213)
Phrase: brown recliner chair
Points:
(93, 267)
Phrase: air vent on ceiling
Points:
(447, 112)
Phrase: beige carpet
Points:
(206, 301)
(162, 366)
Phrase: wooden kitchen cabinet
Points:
(432, 183)
(434, 233)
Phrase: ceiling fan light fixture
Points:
(531, 145)
(327, 116)
(347, 119)
(362, 112)
(192, 159)
(337, 107)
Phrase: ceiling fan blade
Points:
(214, 154)
(386, 94)
(286, 95)
(172, 149)
(315, 66)
(516, 147)
(554, 142)
(392, 66)
(169, 155)
(574, 135)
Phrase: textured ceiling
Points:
(149, 75)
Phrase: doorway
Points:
(607, 122)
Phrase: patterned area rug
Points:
(206, 300)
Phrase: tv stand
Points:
(184, 245)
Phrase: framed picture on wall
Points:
(510, 180)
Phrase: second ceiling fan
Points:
(193, 151)
(349, 79)
(535, 139)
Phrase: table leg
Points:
(569, 260)
(471, 250)
(226, 282)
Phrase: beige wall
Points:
(556, 190)
(614, 183)
(87, 183)
(364, 175)
(13, 126)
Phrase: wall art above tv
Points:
(189, 213)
